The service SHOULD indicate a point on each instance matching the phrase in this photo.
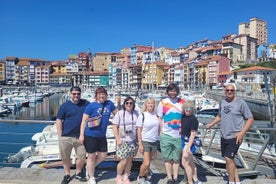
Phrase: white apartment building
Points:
(256, 28)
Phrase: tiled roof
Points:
(225, 73)
(256, 68)
(23, 63)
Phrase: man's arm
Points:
(246, 127)
(59, 127)
(215, 121)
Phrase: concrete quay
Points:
(107, 174)
(9, 175)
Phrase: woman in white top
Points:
(148, 128)
(124, 129)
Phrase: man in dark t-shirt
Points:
(68, 123)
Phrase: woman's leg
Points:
(91, 164)
(186, 162)
(144, 168)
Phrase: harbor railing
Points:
(258, 147)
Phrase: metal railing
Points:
(257, 143)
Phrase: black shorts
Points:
(95, 144)
(229, 148)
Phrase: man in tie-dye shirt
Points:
(169, 111)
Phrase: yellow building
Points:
(2, 71)
(154, 74)
(59, 67)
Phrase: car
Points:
(217, 87)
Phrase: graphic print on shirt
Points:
(172, 114)
(227, 109)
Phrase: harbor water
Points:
(14, 136)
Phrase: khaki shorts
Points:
(66, 145)
(149, 146)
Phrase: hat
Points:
(75, 88)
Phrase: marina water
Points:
(14, 136)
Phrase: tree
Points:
(16, 60)
(51, 69)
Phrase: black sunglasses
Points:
(228, 90)
(76, 94)
(129, 103)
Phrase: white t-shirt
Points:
(150, 126)
(171, 113)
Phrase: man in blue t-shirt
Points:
(68, 123)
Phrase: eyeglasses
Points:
(230, 90)
(78, 94)
(188, 109)
(129, 103)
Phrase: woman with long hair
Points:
(148, 127)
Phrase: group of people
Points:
(82, 125)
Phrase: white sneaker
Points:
(141, 180)
(92, 181)
(197, 182)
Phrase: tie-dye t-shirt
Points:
(171, 113)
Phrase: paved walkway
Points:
(107, 174)
(9, 175)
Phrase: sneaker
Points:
(66, 179)
(140, 180)
(80, 177)
(170, 181)
(119, 180)
(197, 182)
(147, 181)
(92, 181)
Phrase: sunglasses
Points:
(76, 94)
(230, 90)
(129, 103)
(188, 109)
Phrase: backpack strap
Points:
(143, 120)
(103, 108)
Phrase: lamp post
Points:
(194, 77)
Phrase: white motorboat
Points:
(46, 150)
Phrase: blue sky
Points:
(54, 29)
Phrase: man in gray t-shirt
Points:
(235, 119)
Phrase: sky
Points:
(54, 29)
